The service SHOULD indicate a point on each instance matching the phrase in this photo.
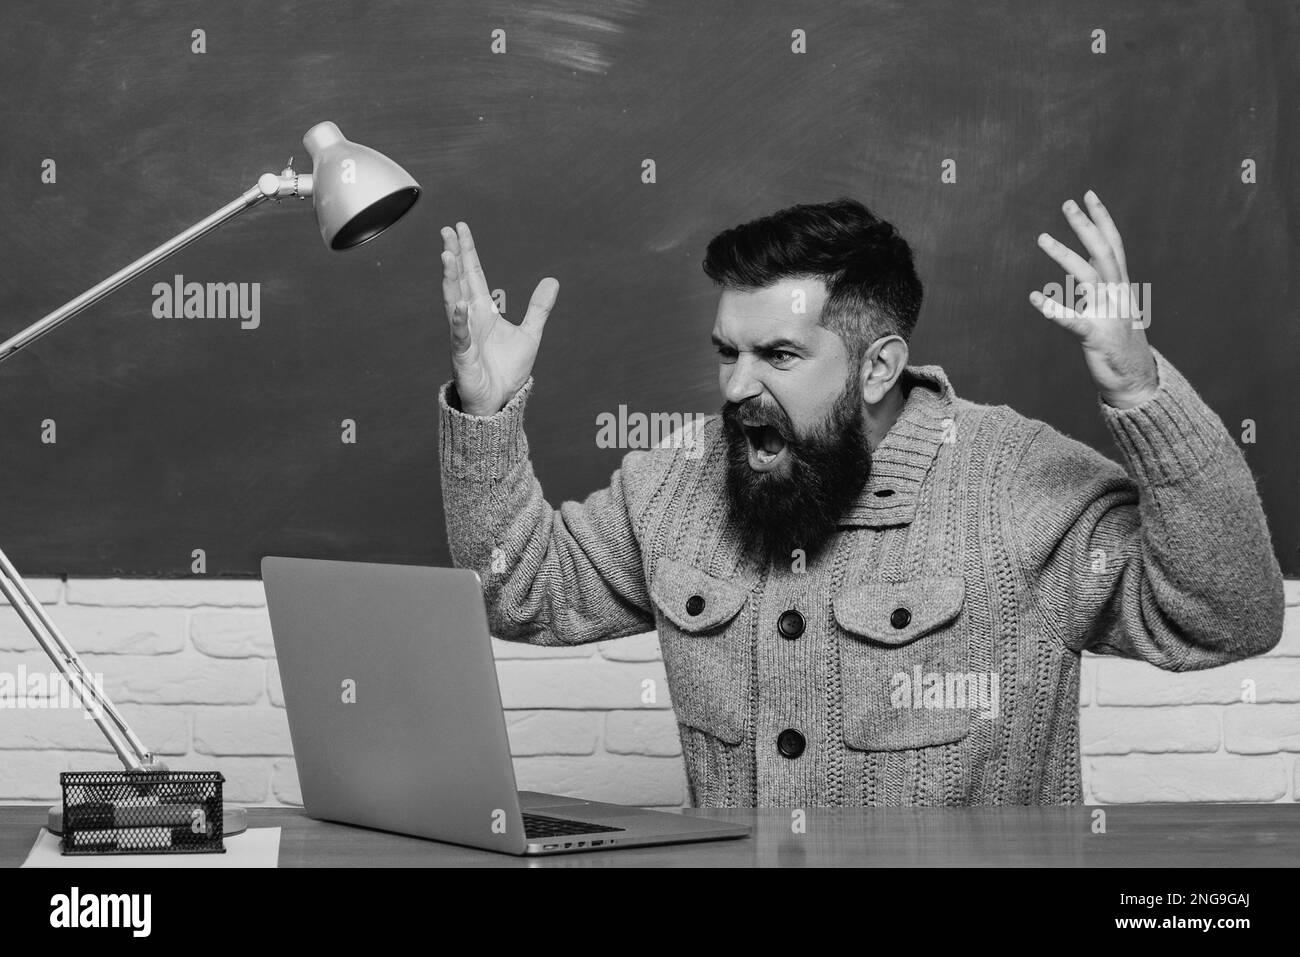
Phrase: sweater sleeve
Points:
(550, 577)
(1167, 559)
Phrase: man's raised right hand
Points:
(491, 357)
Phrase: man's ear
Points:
(885, 360)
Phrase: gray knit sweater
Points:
(935, 653)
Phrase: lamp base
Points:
(234, 820)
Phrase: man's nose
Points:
(741, 384)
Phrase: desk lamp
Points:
(357, 193)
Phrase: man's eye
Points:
(726, 354)
(781, 357)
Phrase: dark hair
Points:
(872, 286)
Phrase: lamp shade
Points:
(357, 192)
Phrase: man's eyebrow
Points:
(776, 344)
(771, 346)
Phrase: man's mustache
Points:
(754, 413)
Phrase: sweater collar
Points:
(903, 458)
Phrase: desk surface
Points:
(1145, 835)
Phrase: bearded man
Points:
(867, 590)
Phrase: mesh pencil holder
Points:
(128, 812)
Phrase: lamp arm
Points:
(129, 748)
(124, 741)
(269, 186)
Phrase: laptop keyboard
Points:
(539, 825)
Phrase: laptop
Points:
(395, 716)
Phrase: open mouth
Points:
(766, 447)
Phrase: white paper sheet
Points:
(256, 847)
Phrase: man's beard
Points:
(799, 504)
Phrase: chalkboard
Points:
(533, 123)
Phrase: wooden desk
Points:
(1143, 835)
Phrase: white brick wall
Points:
(1148, 735)
(192, 666)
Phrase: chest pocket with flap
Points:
(708, 664)
(905, 660)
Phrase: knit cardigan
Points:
(934, 657)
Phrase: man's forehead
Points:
(789, 307)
